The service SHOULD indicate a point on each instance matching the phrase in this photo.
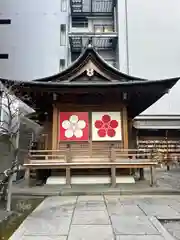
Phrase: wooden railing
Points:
(101, 158)
(47, 155)
(82, 155)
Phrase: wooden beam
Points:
(55, 128)
(125, 127)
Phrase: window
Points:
(63, 5)
(4, 56)
(5, 21)
(61, 64)
(63, 34)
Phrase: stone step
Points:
(53, 180)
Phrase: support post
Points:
(113, 168)
(55, 128)
(152, 176)
(125, 127)
(125, 131)
(141, 174)
(68, 169)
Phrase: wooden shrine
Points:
(87, 112)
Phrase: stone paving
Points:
(174, 228)
(100, 217)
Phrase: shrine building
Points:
(86, 111)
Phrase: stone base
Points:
(60, 180)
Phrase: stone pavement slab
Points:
(133, 225)
(160, 211)
(175, 206)
(91, 206)
(52, 213)
(144, 237)
(162, 200)
(63, 201)
(125, 210)
(96, 198)
(90, 217)
(46, 226)
(44, 238)
(174, 228)
(91, 232)
(55, 207)
(126, 200)
(112, 198)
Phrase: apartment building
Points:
(94, 21)
(39, 38)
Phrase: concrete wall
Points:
(32, 40)
(153, 34)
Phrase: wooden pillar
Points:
(68, 169)
(55, 128)
(113, 168)
(125, 127)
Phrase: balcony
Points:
(92, 7)
(78, 43)
(102, 37)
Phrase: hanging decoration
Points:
(74, 126)
(106, 126)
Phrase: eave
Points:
(140, 95)
(90, 74)
(159, 123)
(166, 83)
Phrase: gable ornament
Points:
(90, 72)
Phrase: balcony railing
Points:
(103, 28)
(100, 42)
(92, 7)
(80, 27)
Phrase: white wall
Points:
(153, 29)
(33, 38)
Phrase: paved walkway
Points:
(101, 218)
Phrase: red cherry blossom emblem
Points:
(106, 126)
